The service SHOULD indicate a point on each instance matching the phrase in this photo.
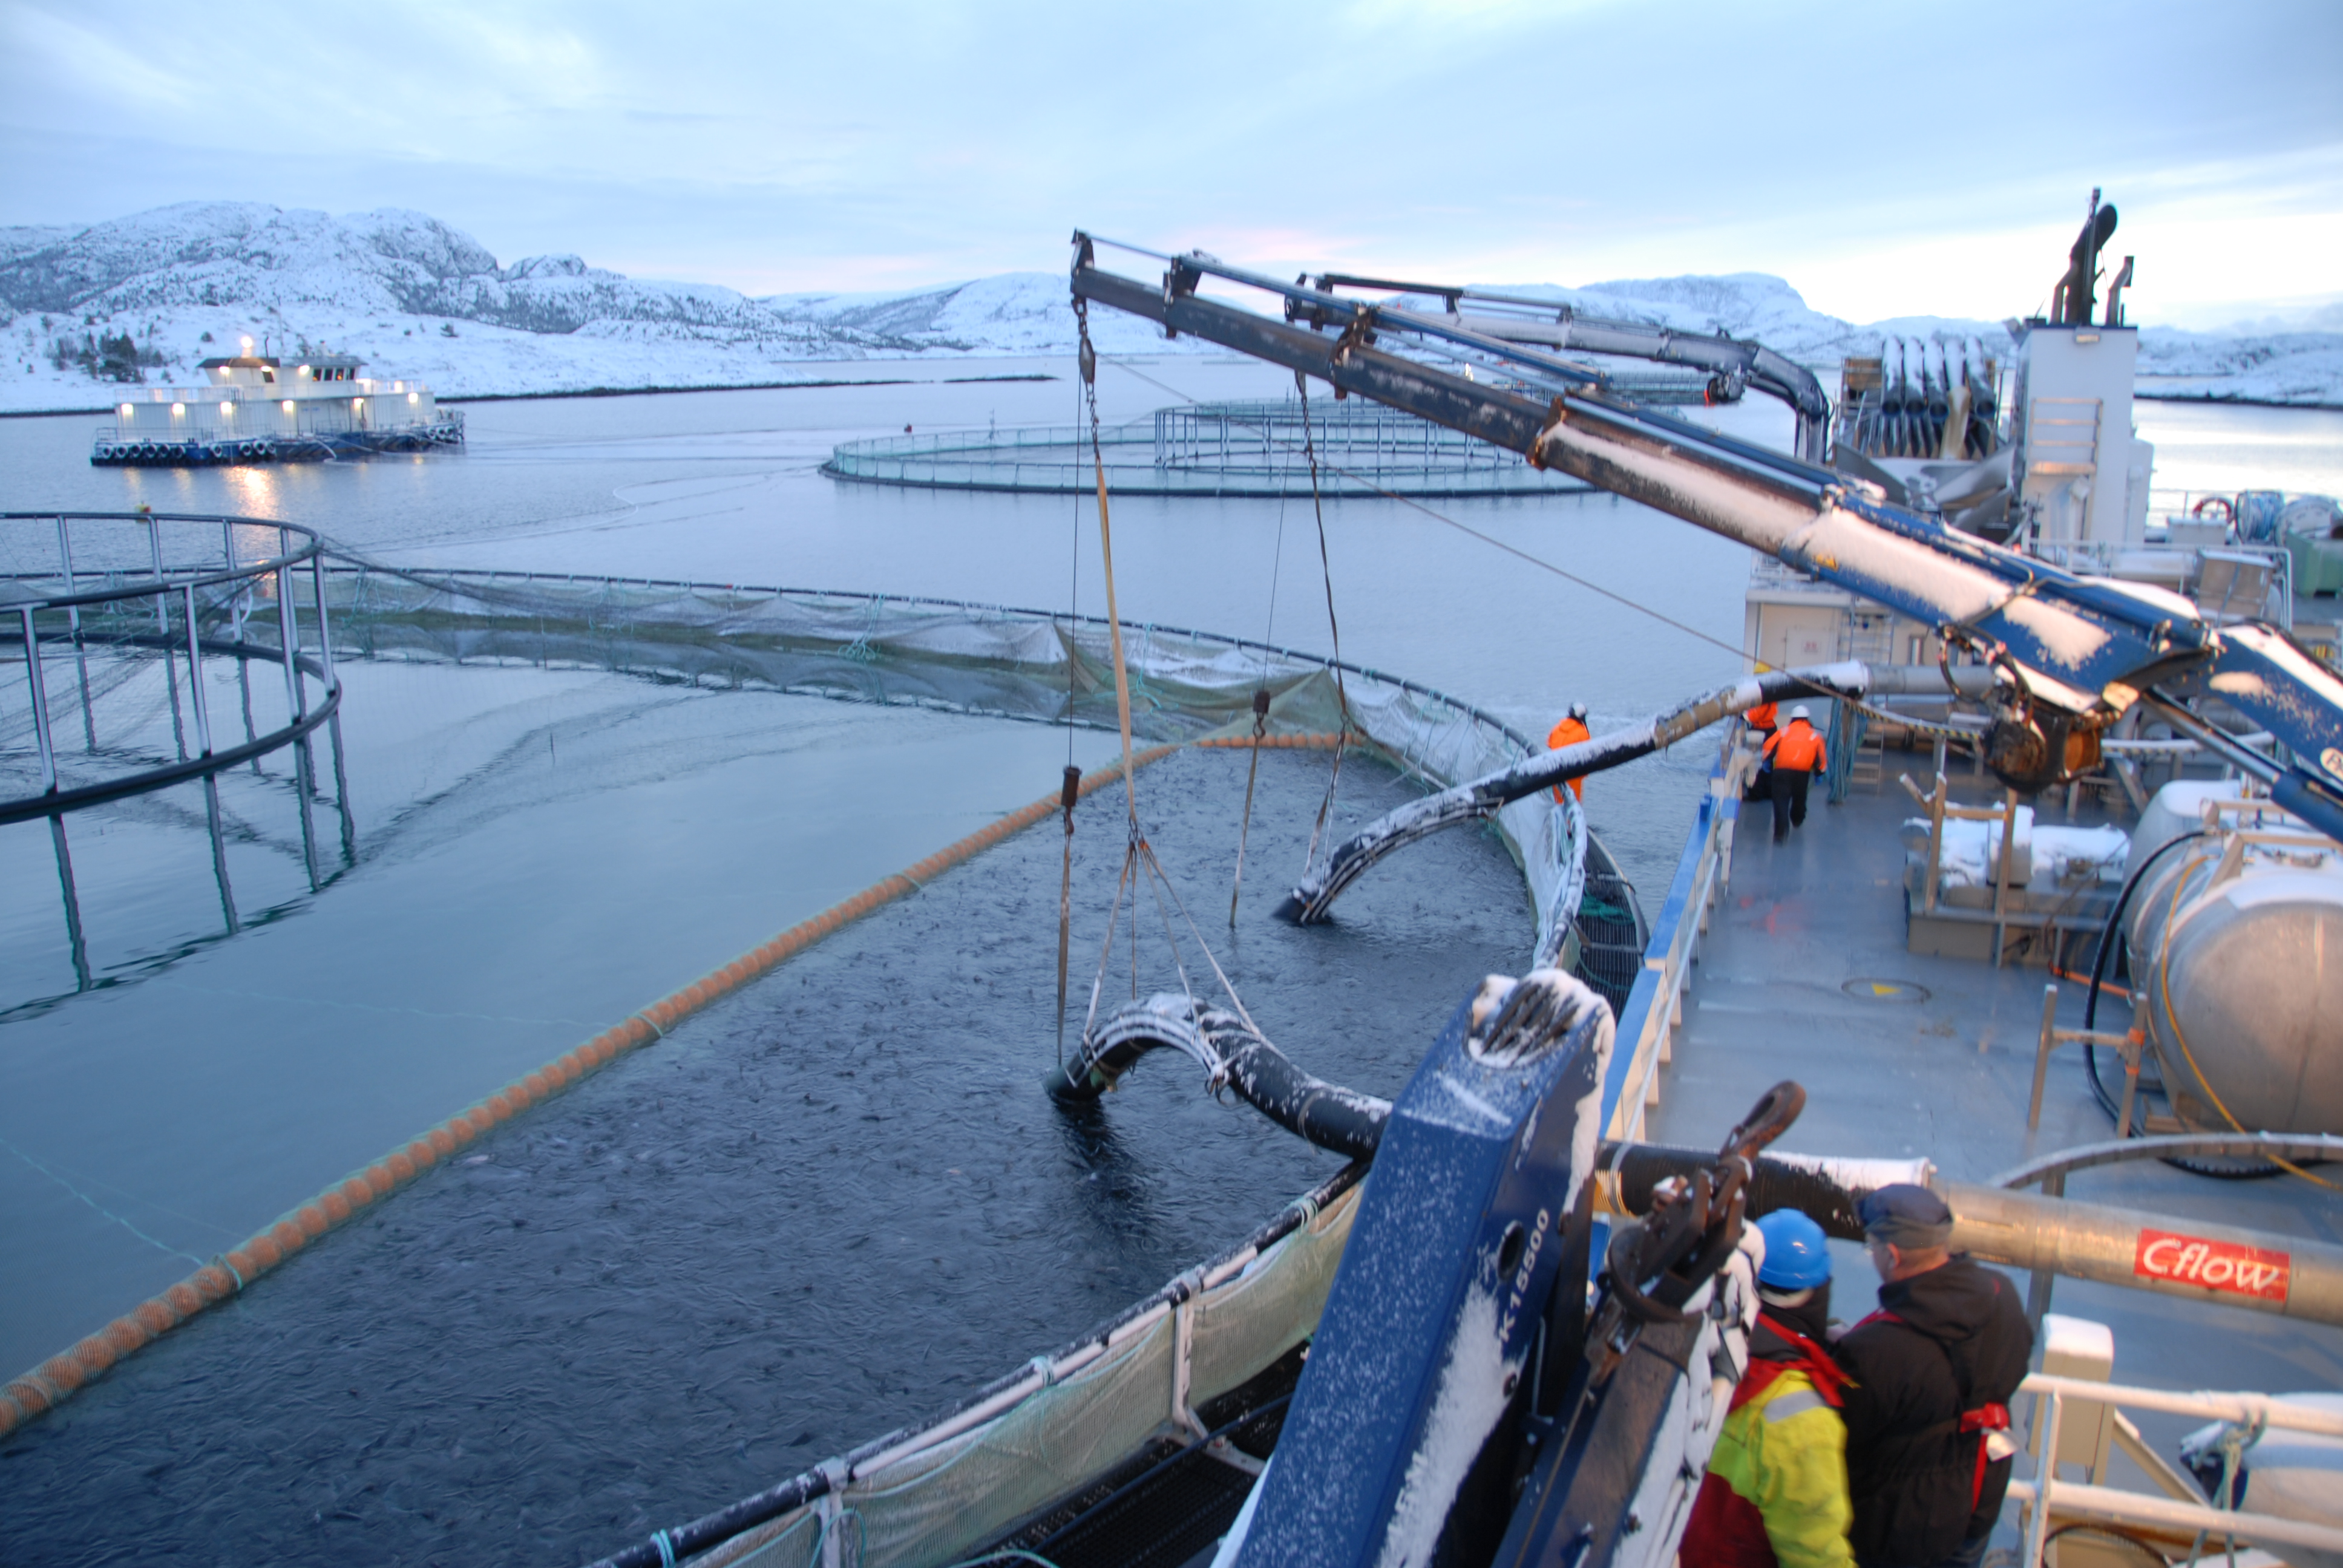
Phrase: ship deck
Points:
(1941, 1066)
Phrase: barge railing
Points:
(1654, 1009)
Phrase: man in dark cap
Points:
(1927, 1415)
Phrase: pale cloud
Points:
(1883, 159)
(60, 50)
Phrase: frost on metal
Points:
(1477, 799)
(1233, 1056)
(1472, 1392)
(1696, 1408)
(1445, 1286)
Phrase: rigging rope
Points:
(1139, 859)
(1260, 699)
(1106, 557)
(1518, 553)
(1071, 790)
(1253, 771)
(1326, 569)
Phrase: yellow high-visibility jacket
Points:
(1776, 1491)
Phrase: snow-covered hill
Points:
(418, 298)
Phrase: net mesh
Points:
(965, 658)
(1247, 448)
(938, 1502)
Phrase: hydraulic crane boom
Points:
(2070, 654)
(1522, 318)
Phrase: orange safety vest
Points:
(1761, 716)
(1797, 749)
(1569, 733)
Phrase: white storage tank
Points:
(2236, 962)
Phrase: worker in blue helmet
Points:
(1776, 1491)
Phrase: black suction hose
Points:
(2115, 923)
(2099, 969)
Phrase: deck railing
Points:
(2180, 1517)
(1654, 1009)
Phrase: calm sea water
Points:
(540, 853)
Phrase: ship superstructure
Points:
(257, 408)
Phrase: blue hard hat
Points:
(1797, 1258)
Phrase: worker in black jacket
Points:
(1927, 1416)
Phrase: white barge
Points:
(252, 408)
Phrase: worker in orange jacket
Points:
(1759, 721)
(1796, 754)
(1569, 732)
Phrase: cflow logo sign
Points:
(2213, 1265)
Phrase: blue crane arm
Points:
(2071, 654)
(1528, 319)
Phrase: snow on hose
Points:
(1477, 799)
(1340, 1119)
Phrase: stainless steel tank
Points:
(2237, 968)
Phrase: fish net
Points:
(1252, 448)
(987, 660)
(938, 1495)
(942, 1492)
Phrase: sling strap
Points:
(1982, 1420)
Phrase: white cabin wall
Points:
(2074, 429)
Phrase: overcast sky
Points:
(1887, 158)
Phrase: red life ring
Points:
(2204, 503)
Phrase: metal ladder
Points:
(1871, 638)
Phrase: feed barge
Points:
(257, 408)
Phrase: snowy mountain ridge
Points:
(419, 297)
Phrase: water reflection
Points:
(72, 904)
(141, 944)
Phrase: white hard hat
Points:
(1800, 712)
(1578, 710)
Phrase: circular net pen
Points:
(1002, 662)
(142, 650)
(1230, 450)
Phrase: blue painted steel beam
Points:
(1422, 1356)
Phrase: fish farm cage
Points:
(1232, 449)
(1009, 663)
(152, 649)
